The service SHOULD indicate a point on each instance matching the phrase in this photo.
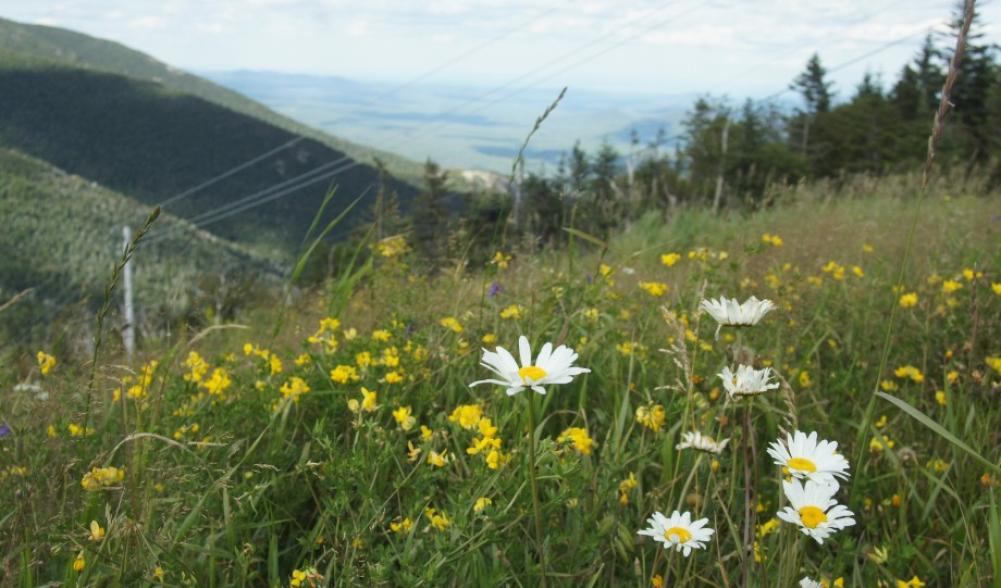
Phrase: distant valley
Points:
(468, 127)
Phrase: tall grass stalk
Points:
(109, 289)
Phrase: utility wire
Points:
(227, 173)
(268, 195)
(440, 67)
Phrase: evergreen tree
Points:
(430, 218)
(813, 85)
(580, 170)
(971, 93)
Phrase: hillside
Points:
(62, 234)
(348, 448)
(70, 48)
(151, 142)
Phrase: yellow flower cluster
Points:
(515, 311)
(437, 519)
(197, 367)
(655, 289)
(579, 438)
(836, 270)
(390, 247)
(911, 372)
(294, 388)
(669, 259)
(404, 418)
(274, 363)
(342, 374)
(651, 417)
(452, 324)
(401, 526)
(773, 240)
(488, 444)
(45, 362)
(501, 260)
(625, 486)
(368, 403)
(136, 388)
(100, 478)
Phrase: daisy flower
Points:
(678, 531)
(814, 509)
(700, 442)
(809, 583)
(552, 366)
(728, 312)
(747, 381)
(803, 456)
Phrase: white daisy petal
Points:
(552, 366)
(678, 532)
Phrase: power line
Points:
(227, 173)
(458, 58)
(267, 195)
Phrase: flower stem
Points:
(536, 505)
(749, 497)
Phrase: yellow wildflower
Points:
(403, 418)
(773, 240)
(79, 564)
(218, 383)
(500, 259)
(197, 367)
(392, 246)
(467, 415)
(909, 300)
(514, 311)
(438, 460)
(452, 324)
(481, 503)
(655, 289)
(578, 436)
(669, 259)
(437, 519)
(401, 526)
(877, 445)
(100, 478)
(97, 532)
(381, 335)
(342, 374)
(413, 452)
(426, 433)
(45, 362)
(911, 372)
(940, 397)
(294, 388)
(651, 417)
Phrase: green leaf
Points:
(587, 237)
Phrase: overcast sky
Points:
(667, 46)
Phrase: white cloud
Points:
(148, 22)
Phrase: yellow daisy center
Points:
(812, 516)
(678, 534)
(532, 372)
(802, 464)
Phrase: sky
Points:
(739, 48)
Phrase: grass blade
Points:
(936, 428)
